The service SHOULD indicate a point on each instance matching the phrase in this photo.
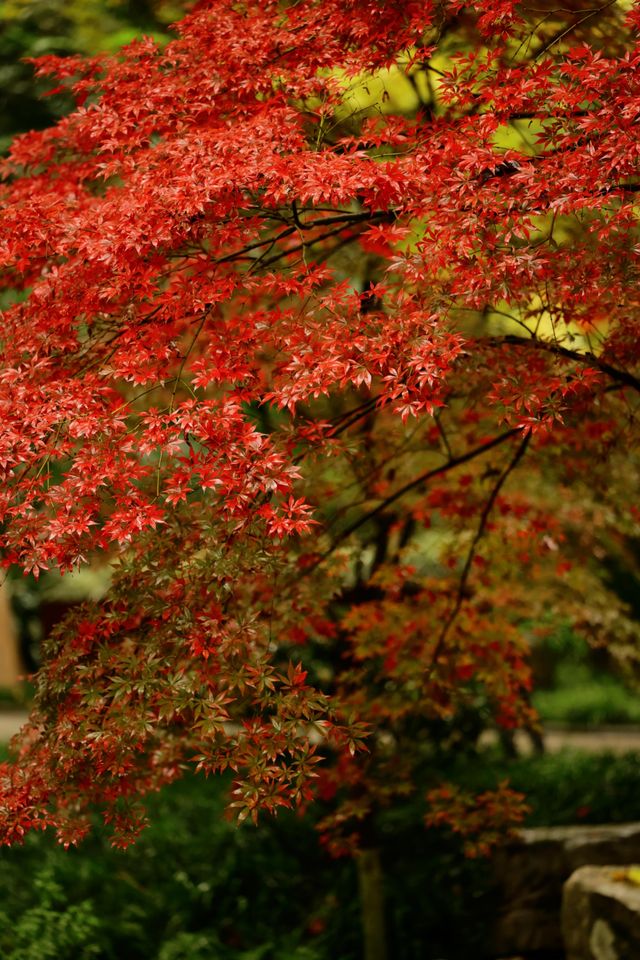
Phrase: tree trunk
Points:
(371, 886)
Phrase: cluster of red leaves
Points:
(479, 819)
(239, 315)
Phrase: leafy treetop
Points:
(291, 304)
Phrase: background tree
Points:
(325, 329)
(31, 28)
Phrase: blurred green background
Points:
(195, 887)
(31, 28)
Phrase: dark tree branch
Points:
(620, 376)
(466, 570)
(565, 31)
(450, 464)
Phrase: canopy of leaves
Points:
(343, 380)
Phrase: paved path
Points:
(618, 740)
(600, 740)
(594, 741)
(10, 723)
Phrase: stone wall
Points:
(530, 875)
(601, 915)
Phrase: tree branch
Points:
(466, 570)
(450, 464)
(565, 31)
(620, 376)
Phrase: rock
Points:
(530, 874)
(601, 915)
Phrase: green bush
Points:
(583, 697)
(577, 787)
(195, 887)
(591, 705)
(194, 882)
(51, 928)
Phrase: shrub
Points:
(195, 887)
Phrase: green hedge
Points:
(195, 887)
(583, 698)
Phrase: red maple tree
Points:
(344, 382)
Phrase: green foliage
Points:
(583, 692)
(589, 701)
(577, 787)
(12, 698)
(579, 685)
(206, 946)
(29, 30)
(195, 887)
(571, 786)
(52, 928)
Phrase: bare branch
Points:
(620, 376)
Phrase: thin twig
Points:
(567, 30)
